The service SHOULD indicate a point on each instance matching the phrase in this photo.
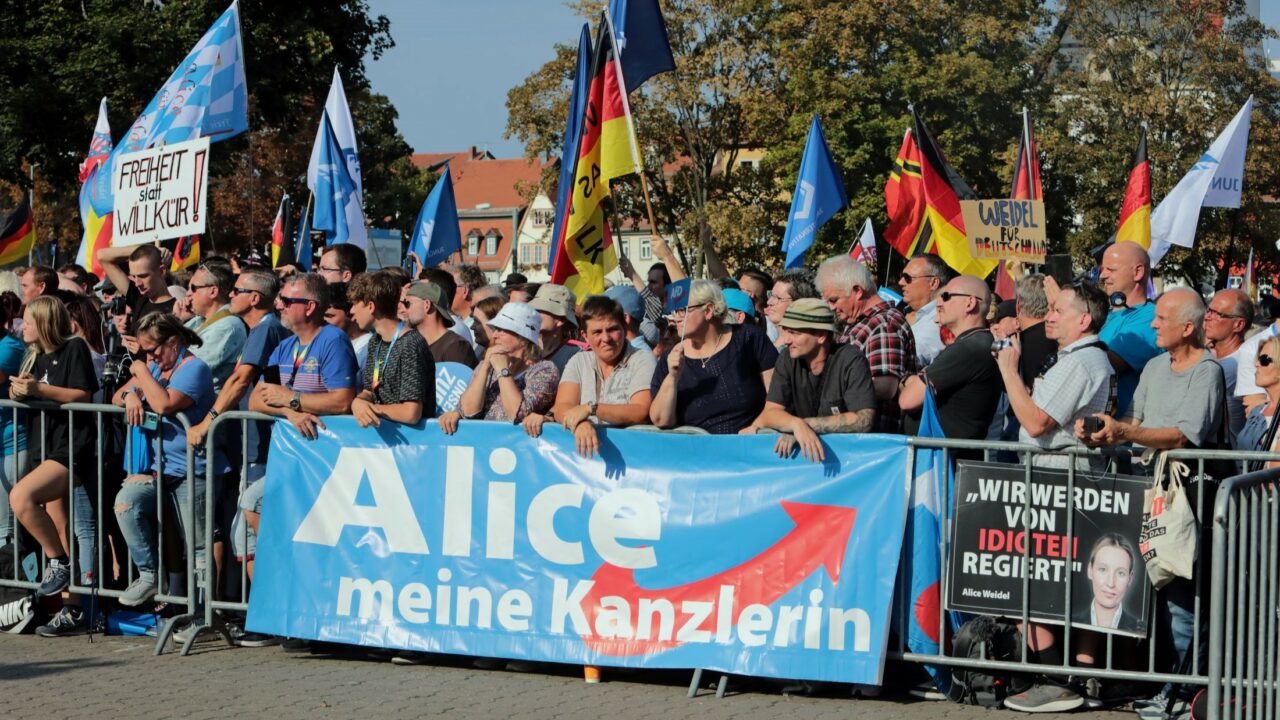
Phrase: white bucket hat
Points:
(519, 319)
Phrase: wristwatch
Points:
(504, 372)
(295, 403)
(592, 406)
(213, 413)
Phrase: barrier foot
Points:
(166, 631)
(722, 686)
(695, 682)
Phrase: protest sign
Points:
(1005, 529)
(666, 551)
(160, 193)
(1005, 229)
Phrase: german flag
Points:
(607, 149)
(904, 200)
(943, 191)
(186, 253)
(17, 235)
(1135, 214)
(1026, 186)
(282, 252)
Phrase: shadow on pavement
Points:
(38, 669)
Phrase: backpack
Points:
(19, 611)
(986, 638)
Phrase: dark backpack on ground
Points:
(19, 611)
(986, 638)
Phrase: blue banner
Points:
(452, 380)
(664, 551)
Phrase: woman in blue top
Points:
(174, 382)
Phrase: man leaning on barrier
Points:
(818, 387)
(1178, 404)
(398, 380)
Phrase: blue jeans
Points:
(136, 506)
(9, 476)
(84, 526)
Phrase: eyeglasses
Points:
(780, 298)
(946, 296)
(324, 269)
(1220, 315)
(294, 300)
(242, 291)
(908, 277)
(149, 352)
(194, 288)
(1265, 360)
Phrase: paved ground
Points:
(119, 677)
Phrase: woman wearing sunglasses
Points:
(171, 382)
(1259, 431)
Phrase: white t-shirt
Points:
(925, 331)
(1245, 355)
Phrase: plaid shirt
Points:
(884, 336)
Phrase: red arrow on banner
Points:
(819, 539)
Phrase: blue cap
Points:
(740, 301)
(629, 298)
(677, 295)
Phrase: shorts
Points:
(243, 540)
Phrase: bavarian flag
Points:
(17, 235)
(943, 191)
(95, 195)
(904, 200)
(1135, 214)
(607, 149)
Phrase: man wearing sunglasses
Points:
(921, 281)
(964, 377)
(424, 307)
(222, 332)
(314, 372)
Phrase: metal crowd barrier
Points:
(1244, 630)
(1242, 611)
(103, 560)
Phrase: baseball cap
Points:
(677, 296)
(427, 290)
(520, 319)
(1007, 309)
(629, 298)
(808, 314)
(735, 299)
(557, 300)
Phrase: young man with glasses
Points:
(341, 263)
(789, 286)
(222, 332)
(921, 281)
(964, 377)
(1226, 320)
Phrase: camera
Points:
(998, 345)
(1092, 425)
(116, 368)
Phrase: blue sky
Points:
(454, 61)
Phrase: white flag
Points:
(1174, 220)
(865, 250)
(344, 130)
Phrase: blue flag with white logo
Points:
(335, 190)
(641, 38)
(819, 196)
(569, 153)
(436, 235)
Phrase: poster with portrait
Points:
(1076, 546)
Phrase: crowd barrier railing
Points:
(1244, 632)
(1237, 604)
(104, 564)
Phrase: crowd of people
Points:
(800, 355)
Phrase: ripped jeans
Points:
(136, 511)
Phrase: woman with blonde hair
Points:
(1259, 430)
(512, 380)
(717, 377)
(58, 368)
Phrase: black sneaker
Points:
(1045, 699)
(295, 645)
(57, 577)
(70, 620)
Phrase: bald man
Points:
(1128, 334)
(964, 377)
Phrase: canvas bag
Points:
(1170, 532)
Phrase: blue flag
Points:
(569, 154)
(436, 234)
(336, 192)
(819, 195)
(641, 38)
(302, 244)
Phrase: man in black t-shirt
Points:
(399, 377)
(140, 269)
(818, 386)
(964, 377)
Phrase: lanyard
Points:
(377, 364)
(297, 362)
